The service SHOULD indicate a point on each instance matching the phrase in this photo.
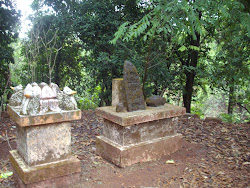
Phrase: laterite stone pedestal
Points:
(43, 156)
(139, 136)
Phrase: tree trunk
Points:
(179, 98)
(231, 99)
(187, 95)
(102, 94)
(190, 74)
(57, 69)
(8, 83)
(191, 61)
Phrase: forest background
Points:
(193, 52)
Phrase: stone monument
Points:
(139, 133)
(43, 156)
(132, 87)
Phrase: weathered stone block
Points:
(63, 173)
(43, 144)
(142, 132)
(141, 116)
(124, 156)
(58, 182)
(40, 119)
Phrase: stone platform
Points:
(139, 136)
(43, 156)
(61, 173)
(42, 119)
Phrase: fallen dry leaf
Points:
(170, 161)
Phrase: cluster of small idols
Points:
(42, 98)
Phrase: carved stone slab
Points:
(133, 89)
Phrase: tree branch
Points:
(180, 58)
(243, 107)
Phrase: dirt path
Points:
(212, 155)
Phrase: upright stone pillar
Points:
(118, 95)
(43, 156)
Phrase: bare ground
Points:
(213, 155)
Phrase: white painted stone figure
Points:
(28, 92)
(36, 89)
(46, 95)
(42, 98)
(67, 100)
(17, 96)
(33, 107)
(49, 101)
(55, 89)
(54, 102)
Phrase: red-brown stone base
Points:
(123, 156)
(62, 182)
(64, 173)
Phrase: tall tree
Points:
(232, 65)
(9, 18)
(94, 23)
(43, 45)
(187, 25)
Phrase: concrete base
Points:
(62, 173)
(123, 156)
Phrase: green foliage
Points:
(231, 65)
(86, 60)
(186, 48)
(234, 118)
(6, 175)
(198, 111)
(213, 103)
(182, 48)
(94, 24)
(89, 101)
(186, 26)
(8, 34)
